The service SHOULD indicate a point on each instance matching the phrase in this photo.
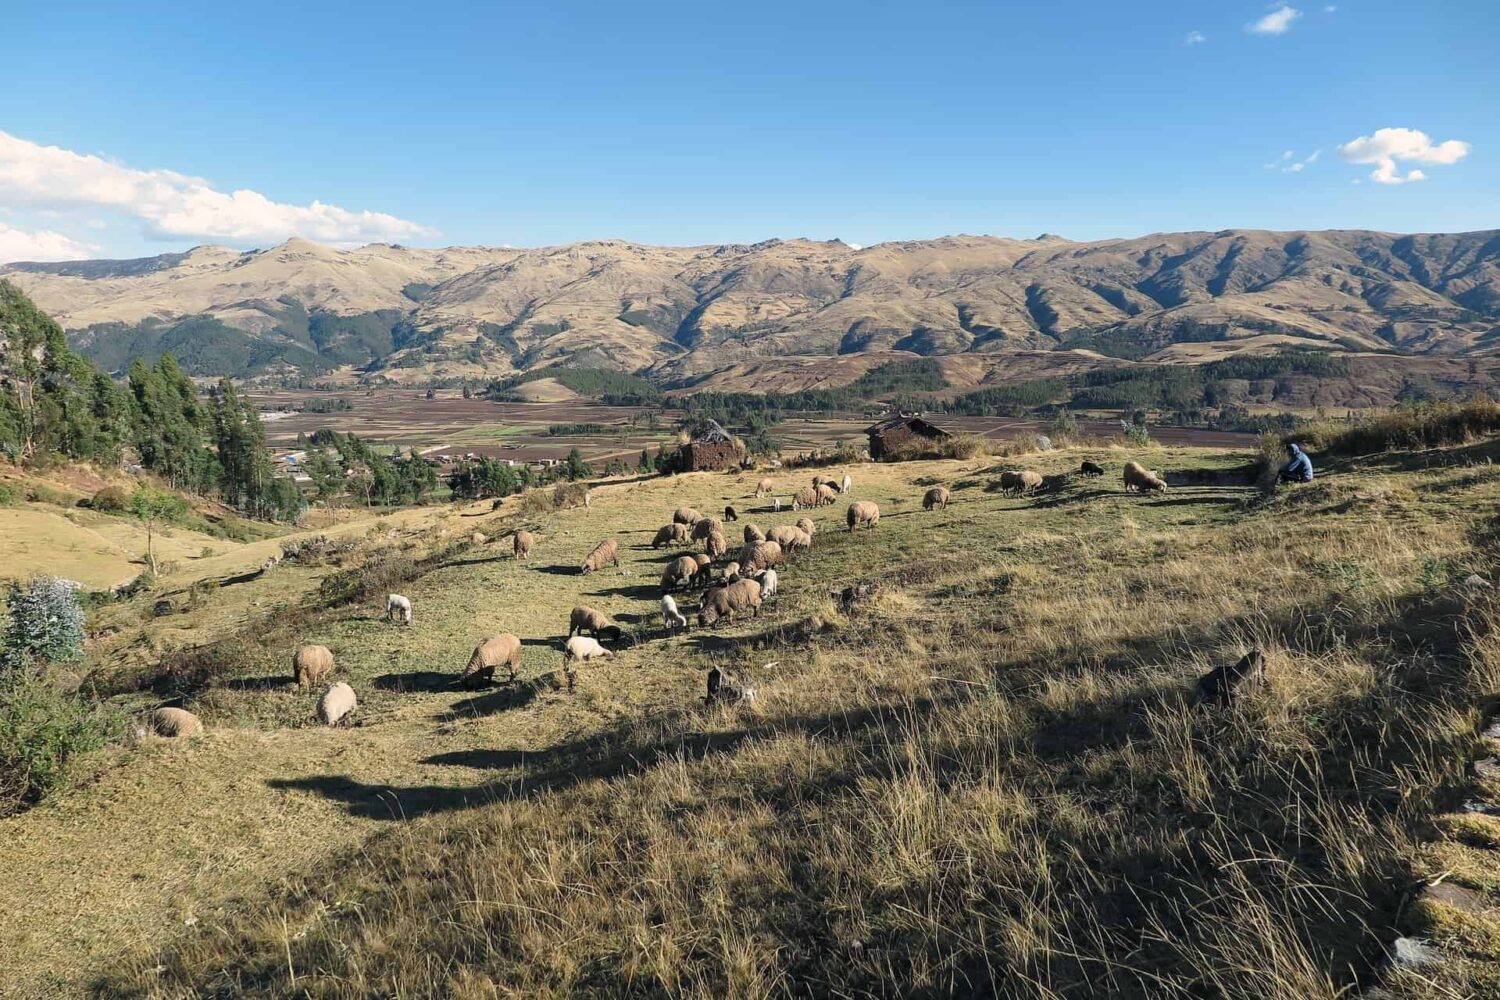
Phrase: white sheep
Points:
(767, 584)
(336, 704)
(846, 484)
(398, 606)
(670, 616)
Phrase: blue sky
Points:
(674, 122)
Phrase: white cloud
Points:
(1195, 38)
(43, 244)
(1289, 164)
(1278, 22)
(174, 205)
(1387, 147)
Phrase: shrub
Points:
(376, 578)
(41, 732)
(45, 622)
(9, 495)
(37, 493)
(1138, 435)
(1419, 425)
(960, 446)
(111, 500)
(1064, 428)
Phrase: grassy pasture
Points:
(990, 778)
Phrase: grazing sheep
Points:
(523, 541)
(935, 498)
(1137, 478)
(175, 722)
(686, 515)
(806, 524)
(1224, 683)
(804, 498)
(768, 581)
(606, 553)
(679, 572)
(730, 514)
(1019, 481)
(586, 619)
(312, 665)
(863, 512)
(582, 649)
(479, 538)
(820, 479)
(724, 602)
(705, 526)
(827, 495)
(1030, 481)
(397, 605)
(847, 484)
(753, 533)
(675, 533)
(759, 556)
(503, 648)
(270, 563)
(1091, 468)
(1010, 480)
(336, 704)
(730, 572)
(716, 545)
(789, 537)
(670, 617)
(765, 487)
(703, 559)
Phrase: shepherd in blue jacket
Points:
(1298, 468)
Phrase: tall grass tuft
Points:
(1418, 425)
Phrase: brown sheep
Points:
(704, 527)
(1030, 481)
(827, 494)
(1137, 478)
(765, 487)
(675, 533)
(703, 559)
(311, 665)
(522, 542)
(724, 602)
(503, 648)
(753, 533)
(759, 556)
(686, 515)
(863, 512)
(821, 480)
(730, 514)
(175, 722)
(804, 498)
(679, 572)
(789, 537)
(606, 553)
(336, 704)
(806, 524)
(716, 545)
(1018, 481)
(935, 499)
(586, 619)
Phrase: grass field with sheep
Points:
(990, 777)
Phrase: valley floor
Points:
(990, 777)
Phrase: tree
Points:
(645, 463)
(149, 505)
(574, 467)
(45, 622)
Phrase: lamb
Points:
(704, 527)
(670, 617)
(776, 504)
(847, 484)
(675, 533)
(175, 722)
(503, 648)
(765, 487)
(1091, 469)
(686, 515)
(724, 602)
(397, 605)
(730, 514)
(806, 524)
(789, 537)
(312, 665)
(730, 572)
(761, 555)
(804, 498)
(606, 553)
(768, 581)
(935, 498)
(582, 649)
(1137, 478)
(679, 572)
(586, 619)
(827, 494)
(753, 533)
(523, 541)
(862, 512)
(717, 545)
(336, 704)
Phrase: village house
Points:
(711, 449)
(889, 435)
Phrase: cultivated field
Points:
(988, 779)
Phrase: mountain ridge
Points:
(414, 313)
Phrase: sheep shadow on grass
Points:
(505, 698)
(414, 681)
(634, 591)
(272, 683)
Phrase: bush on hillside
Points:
(111, 500)
(42, 731)
(1418, 425)
(44, 622)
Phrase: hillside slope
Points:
(692, 310)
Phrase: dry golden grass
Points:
(990, 779)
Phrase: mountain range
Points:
(686, 313)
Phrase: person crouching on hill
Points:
(1298, 468)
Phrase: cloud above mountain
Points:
(172, 205)
(18, 244)
(1386, 148)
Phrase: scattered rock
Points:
(1491, 730)
(165, 606)
(1475, 580)
(1457, 897)
(1411, 953)
(1478, 808)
